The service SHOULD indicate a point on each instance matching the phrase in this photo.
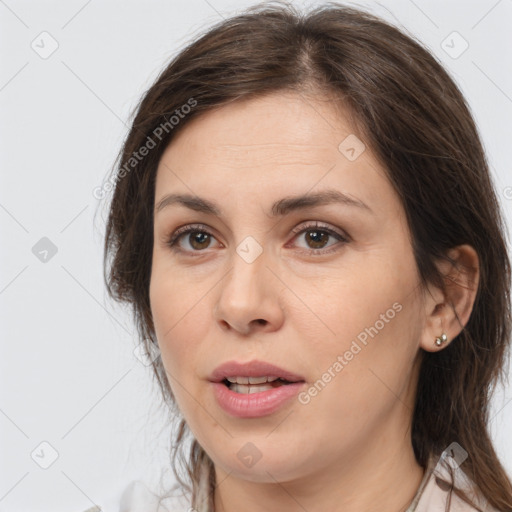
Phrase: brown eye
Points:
(190, 239)
(199, 239)
(313, 238)
(316, 239)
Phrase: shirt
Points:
(433, 495)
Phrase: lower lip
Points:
(255, 405)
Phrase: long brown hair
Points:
(417, 123)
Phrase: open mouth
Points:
(254, 388)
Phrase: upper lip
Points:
(252, 369)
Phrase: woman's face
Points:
(325, 288)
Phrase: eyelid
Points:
(321, 226)
(343, 237)
(201, 228)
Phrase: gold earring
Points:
(442, 339)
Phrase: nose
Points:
(249, 298)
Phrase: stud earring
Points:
(441, 339)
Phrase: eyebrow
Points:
(279, 208)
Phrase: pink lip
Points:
(252, 369)
(256, 404)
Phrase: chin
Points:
(276, 466)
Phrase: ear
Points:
(448, 310)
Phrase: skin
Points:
(299, 305)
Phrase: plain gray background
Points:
(69, 376)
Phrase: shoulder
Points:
(137, 496)
(437, 495)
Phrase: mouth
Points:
(253, 377)
(250, 385)
(254, 389)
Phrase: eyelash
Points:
(198, 228)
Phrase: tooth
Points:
(257, 380)
(239, 389)
(246, 390)
(251, 380)
(259, 388)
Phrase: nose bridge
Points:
(243, 282)
(246, 294)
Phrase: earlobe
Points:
(448, 310)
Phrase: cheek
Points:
(363, 377)
(179, 333)
(181, 322)
(365, 331)
(361, 297)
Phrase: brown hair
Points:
(415, 120)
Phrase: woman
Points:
(304, 223)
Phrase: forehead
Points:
(279, 126)
(281, 141)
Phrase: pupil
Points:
(199, 240)
(316, 238)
